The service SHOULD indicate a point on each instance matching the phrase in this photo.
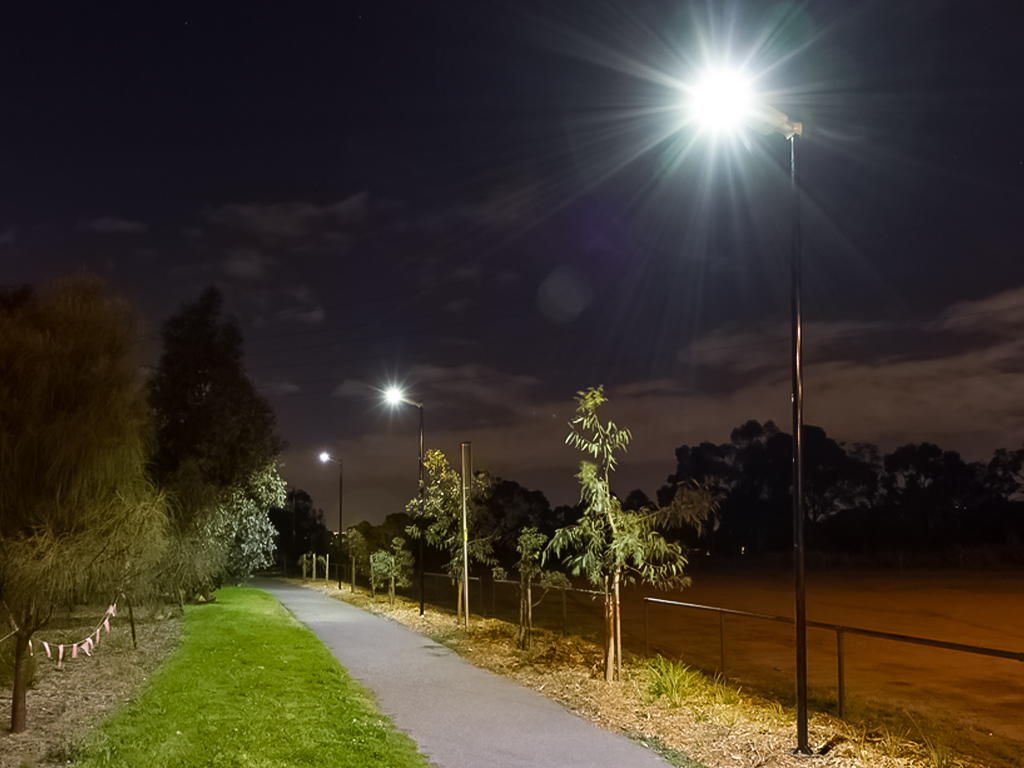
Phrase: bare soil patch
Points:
(66, 703)
(750, 731)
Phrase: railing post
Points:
(647, 632)
(565, 620)
(721, 639)
(841, 678)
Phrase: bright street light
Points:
(394, 396)
(723, 101)
(324, 458)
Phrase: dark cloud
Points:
(111, 225)
(247, 264)
(297, 226)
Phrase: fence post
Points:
(565, 621)
(721, 638)
(841, 677)
(647, 632)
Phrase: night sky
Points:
(496, 204)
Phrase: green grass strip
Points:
(250, 687)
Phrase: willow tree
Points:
(611, 546)
(78, 518)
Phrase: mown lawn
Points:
(250, 687)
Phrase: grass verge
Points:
(249, 688)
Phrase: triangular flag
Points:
(30, 652)
(74, 651)
(60, 656)
(46, 646)
(106, 624)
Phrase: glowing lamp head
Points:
(394, 395)
(722, 101)
(325, 456)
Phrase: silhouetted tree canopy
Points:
(917, 497)
(215, 446)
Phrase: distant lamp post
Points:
(395, 396)
(723, 102)
(325, 457)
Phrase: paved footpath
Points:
(459, 715)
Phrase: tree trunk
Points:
(617, 607)
(522, 611)
(609, 634)
(18, 706)
(391, 592)
(529, 612)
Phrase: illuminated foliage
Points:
(79, 518)
(610, 545)
(442, 517)
(391, 568)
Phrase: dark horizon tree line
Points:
(918, 497)
(856, 499)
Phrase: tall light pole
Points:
(394, 396)
(467, 481)
(724, 101)
(324, 458)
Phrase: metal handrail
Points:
(839, 629)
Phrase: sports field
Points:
(975, 701)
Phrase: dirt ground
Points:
(66, 703)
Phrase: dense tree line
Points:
(856, 499)
(918, 497)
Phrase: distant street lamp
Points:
(395, 396)
(723, 101)
(324, 458)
